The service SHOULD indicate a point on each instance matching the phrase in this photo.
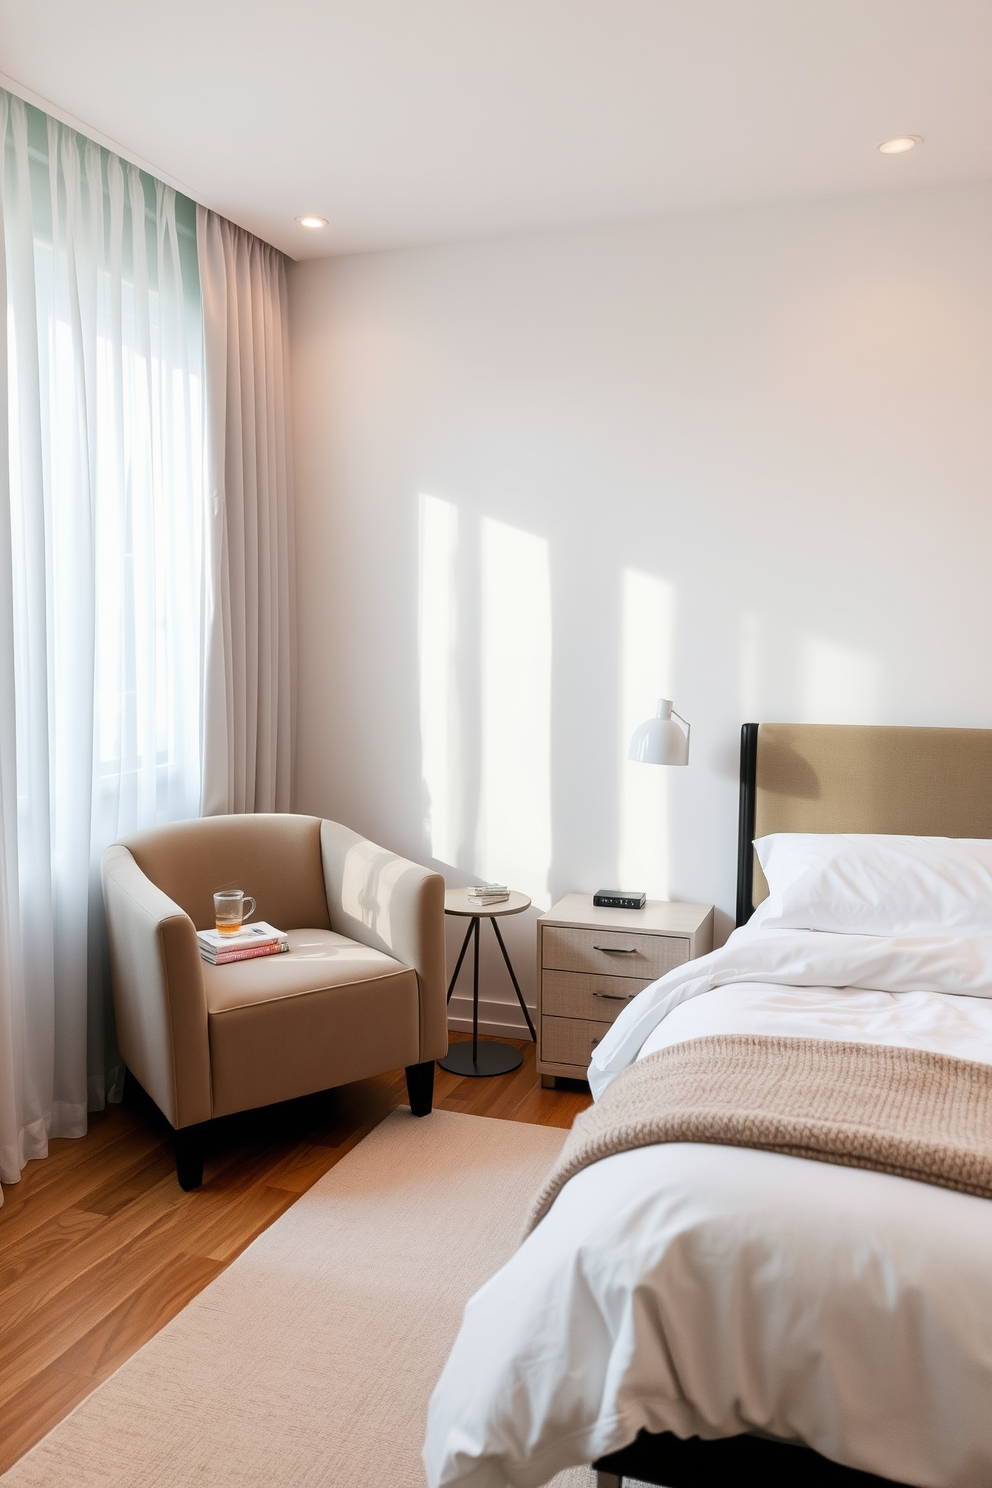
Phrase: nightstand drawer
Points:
(612, 952)
(577, 994)
(570, 1040)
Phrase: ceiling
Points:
(416, 121)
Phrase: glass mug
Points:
(230, 910)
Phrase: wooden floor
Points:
(100, 1247)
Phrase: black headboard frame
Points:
(745, 822)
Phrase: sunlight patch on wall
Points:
(646, 672)
(837, 684)
(514, 831)
(439, 716)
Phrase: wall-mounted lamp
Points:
(659, 740)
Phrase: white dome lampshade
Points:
(659, 740)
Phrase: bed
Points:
(690, 1312)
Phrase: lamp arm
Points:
(688, 725)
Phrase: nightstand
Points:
(591, 962)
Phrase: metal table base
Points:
(489, 1058)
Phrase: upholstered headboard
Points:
(822, 777)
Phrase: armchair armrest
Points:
(159, 1002)
(385, 901)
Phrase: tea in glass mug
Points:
(230, 910)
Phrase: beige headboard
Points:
(820, 777)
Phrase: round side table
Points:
(489, 1058)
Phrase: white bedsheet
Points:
(708, 1290)
(959, 965)
(940, 1021)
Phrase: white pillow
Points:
(873, 885)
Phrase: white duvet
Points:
(711, 1290)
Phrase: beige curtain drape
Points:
(248, 691)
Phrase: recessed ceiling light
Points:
(900, 144)
(312, 221)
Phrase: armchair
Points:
(360, 991)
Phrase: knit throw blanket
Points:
(904, 1111)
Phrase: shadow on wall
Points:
(486, 676)
(485, 649)
(485, 699)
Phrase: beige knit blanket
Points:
(904, 1111)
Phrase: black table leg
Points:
(516, 984)
(490, 1058)
(461, 957)
(475, 994)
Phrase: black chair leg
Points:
(420, 1087)
(189, 1157)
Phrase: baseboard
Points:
(499, 1019)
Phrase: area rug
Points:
(310, 1361)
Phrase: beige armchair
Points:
(361, 990)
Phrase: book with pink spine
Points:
(258, 939)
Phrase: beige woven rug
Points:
(311, 1359)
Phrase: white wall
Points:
(739, 459)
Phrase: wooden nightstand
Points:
(591, 962)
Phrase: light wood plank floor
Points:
(100, 1247)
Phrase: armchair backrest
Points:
(274, 857)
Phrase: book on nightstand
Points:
(488, 893)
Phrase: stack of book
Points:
(258, 939)
(487, 893)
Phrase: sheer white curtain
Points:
(102, 597)
(248, 701)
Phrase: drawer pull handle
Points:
(615, 996)
(617, 950)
